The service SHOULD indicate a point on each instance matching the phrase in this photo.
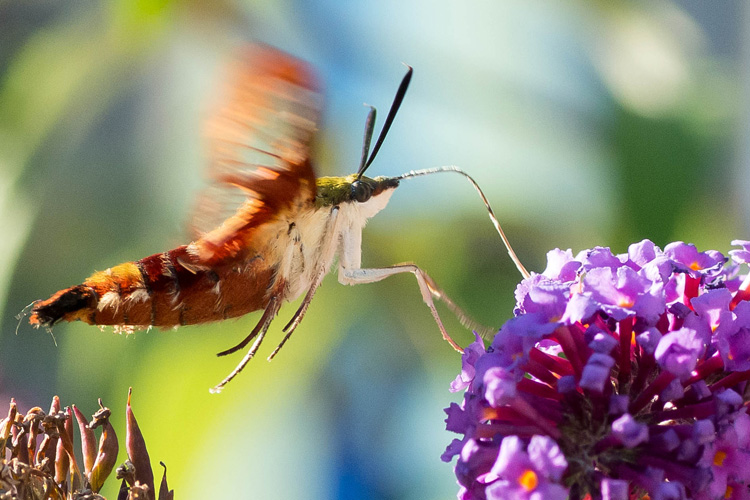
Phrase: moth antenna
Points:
(24, 312)
(428, 171)
(21, 315)
(369, 127)
(54, 340)
(397, 100)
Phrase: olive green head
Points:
(332, 191)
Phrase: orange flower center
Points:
(625, 302)
(719, 458)
(528, 480)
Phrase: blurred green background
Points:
(586, 122)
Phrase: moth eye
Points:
(361, 192)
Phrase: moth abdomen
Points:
(159, 290)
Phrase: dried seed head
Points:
(87, 495)
(55, 474)
(126, 471)
(51, 425)
(101, 416)
(140, 492)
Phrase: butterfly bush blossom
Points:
(620, 377)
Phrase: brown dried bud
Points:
(126, 471)
(87, 495)
(50, 425)
(101, 416)
(108, 449)
(140, 492)
(136, 448)
(55, 474)
(88, 441)
(55, 405)
(32, 419)
(164, 492)
(20, 440)
(7, 424)
(65, 454)
(62, 463)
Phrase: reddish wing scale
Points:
(259, 153)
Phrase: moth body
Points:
(266, 229)
(173, 288)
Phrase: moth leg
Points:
(264, 320)
(268, 315)
(297, 318)
(426, 286)
(327, 256)
(484, 331)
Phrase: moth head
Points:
(353, 189)
(363, 188)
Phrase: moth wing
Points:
(259, 141)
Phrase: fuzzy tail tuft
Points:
(68, 305)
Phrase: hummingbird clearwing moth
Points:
(266, 230)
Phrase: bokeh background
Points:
(586, 122)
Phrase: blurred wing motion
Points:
(262, 177)
(259, 152)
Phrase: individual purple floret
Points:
(521, 473)
(621, 377)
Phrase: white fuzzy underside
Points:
(302, 250)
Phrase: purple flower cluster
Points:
(620, 377)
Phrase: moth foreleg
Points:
(485, 331)
(348, 276)
(298, 315)
(328, 250)
(296, 319)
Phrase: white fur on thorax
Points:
(302, 247)
(354, 217)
